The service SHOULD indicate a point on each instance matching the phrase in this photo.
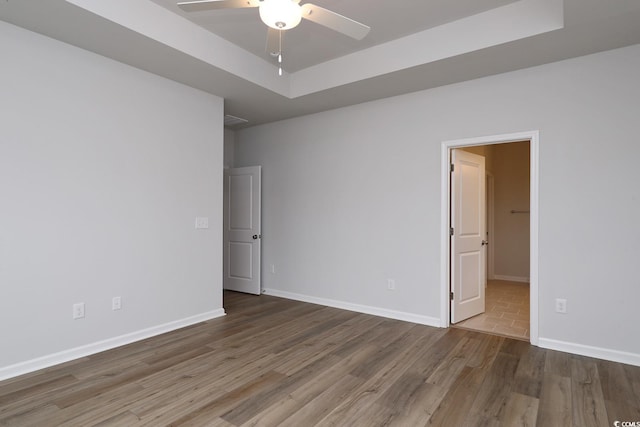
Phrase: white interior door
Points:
(468, 211)
(242, 229)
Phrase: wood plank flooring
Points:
(275, 362)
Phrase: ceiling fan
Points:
(282, 15)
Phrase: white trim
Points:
(108, 344)
(589, 351)
(376, 311)
(534, 164)
(533, 138)
(511, 278)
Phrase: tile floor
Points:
(506, 310)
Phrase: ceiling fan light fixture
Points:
(280, 14)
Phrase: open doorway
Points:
(509, 267)
(505, 254)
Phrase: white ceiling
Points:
(413, 45)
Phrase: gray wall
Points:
(229, 141)
(103, 169)
(510, 168)
(351, 197)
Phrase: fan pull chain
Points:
(280, 52)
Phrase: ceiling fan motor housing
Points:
(280, 14)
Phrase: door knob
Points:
(485, 243)
(255, 237)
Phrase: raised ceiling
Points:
(311, 44)
(413, 45)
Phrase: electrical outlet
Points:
(561, 305)
(78, 310)
(116, 303)
(202, 222)
(391, 284)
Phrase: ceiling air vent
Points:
(230, 120)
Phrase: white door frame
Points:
(447, 146)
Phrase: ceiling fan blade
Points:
(201, 5)
(335, 21)
(273, 41)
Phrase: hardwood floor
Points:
(275, 362)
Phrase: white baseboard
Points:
(376, 311)
(96, 347)
(511, 278)
(589, 351)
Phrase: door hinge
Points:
(451, 296)
(451, 231)
(452, 167)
